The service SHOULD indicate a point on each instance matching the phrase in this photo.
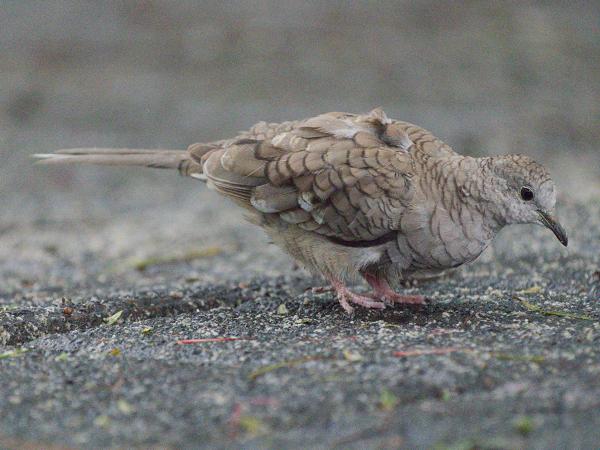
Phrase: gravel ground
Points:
(104, 272)
(504, 355)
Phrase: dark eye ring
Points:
(527, 194)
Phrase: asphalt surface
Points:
(103, 271)
(504, 355)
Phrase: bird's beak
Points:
(549, 221)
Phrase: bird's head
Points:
(526, 193)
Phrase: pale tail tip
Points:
(47, 158)
(42, 158)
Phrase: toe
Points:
(366, 302)
(320, 289)
(408, 299)
(344, 304)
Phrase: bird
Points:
(359, 196)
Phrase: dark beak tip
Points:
(551, 223)
(561, 234)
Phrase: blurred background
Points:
(487, 77)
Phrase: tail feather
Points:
(159, 159)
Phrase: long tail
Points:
(159, 159)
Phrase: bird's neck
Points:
(467, 182)
(483, 190)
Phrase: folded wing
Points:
(340, 175)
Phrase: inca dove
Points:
(360, 195)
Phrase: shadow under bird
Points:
(352, 196)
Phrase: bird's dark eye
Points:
(527, 194)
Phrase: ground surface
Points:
(505, 355)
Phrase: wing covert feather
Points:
(341, 175)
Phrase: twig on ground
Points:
(13, 353)
(216, 339)
(446, 350)
(291, 363)
(547, 312)
(524, 358)
(430, 351)
(207, 252)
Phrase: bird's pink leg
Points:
(346, 296)
(383, 291)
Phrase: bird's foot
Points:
(394, 297)
(383, 291)
(346, 296)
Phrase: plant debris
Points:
(388, 400)
(251, 425)
(291, 363)
(147, 331)
(532, 290)
(547, 312)
(114, 352)
(9, 307)
(445, 395)
(351, 356)
(63, 357)
(538, 359)
(13, 353)
(124, 407)
(282, 310)
(524, 425)
(430, 351)
(303, 321)
(216, 339)
(102, 421)
(207, 252)
(111, 320)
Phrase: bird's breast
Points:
(438, 239)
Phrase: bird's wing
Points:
(340, 175)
